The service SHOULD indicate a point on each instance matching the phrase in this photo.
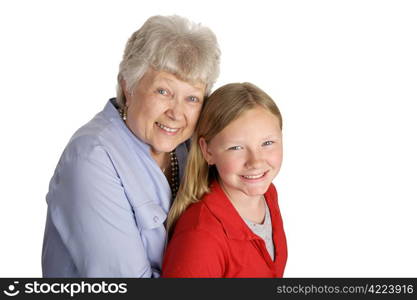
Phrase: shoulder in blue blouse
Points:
(107, 203)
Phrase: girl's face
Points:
(247, 153)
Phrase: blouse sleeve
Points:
(194, 253)
(94, 219)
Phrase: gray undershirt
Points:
(264, 231)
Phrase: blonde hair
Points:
(225, 105)
(172, 44)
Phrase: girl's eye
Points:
(267, 143)
(162, 92)
(236, 148)
(193, 99)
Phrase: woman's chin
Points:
(163, 146)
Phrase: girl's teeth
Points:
(166, 128)
(254, 176)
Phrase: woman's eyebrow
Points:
(163, 80)
(191, 90)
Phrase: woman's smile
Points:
(166, 120)
(166, 129)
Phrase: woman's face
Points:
(247, 153)
(162, 111)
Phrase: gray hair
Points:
(172, 44)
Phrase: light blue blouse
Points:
(107, 203)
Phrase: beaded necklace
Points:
(175, 182)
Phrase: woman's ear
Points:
(125, 92)
(205, 150)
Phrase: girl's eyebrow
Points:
(273, 136)
(243, 140)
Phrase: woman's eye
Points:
(235, 148)
(267, 143)
(162, 92)
(193, 99)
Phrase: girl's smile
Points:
(247, 153)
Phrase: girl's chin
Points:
(252, 192)
(248, 190)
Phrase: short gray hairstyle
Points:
(172, 44)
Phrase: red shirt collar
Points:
(221, 207)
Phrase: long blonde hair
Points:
(225, 105)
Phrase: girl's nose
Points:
(254, 160)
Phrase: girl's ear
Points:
(205, 150)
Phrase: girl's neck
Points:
(249, 207)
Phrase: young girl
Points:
(226, 216)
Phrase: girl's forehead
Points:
(253, 123)
(253, 118)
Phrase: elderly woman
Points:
(115, 181)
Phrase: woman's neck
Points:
(161, 158)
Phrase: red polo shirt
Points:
(212, 240)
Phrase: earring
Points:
(123, 113)
(124, 116)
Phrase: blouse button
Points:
(156, 219)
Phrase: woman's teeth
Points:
(166, 128)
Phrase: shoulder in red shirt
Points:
(210, 239)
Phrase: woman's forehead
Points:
(170, 78)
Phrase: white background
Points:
(344, 74)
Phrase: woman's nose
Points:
(174, 111)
